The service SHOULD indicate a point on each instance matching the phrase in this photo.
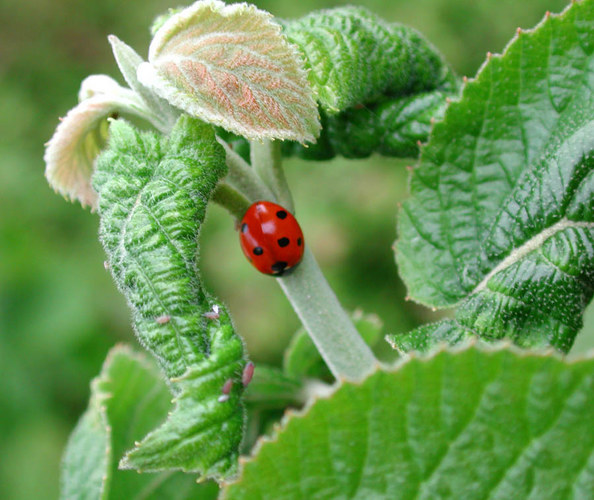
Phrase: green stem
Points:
(330, 328)
(348, 357)
(266, 159)
(230, 199)
(243, 178)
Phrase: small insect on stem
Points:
(223, 398)
(248, 373)
(214, 314)
(162, 320)
(106, 265)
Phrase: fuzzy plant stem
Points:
(230, 199)
(266, 159)
(348, 357)
(244, 178)
(330, 328)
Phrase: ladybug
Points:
(271, 238)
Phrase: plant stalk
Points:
(243, 177)
(230, 199)
(338, 341)
(347, 355)
(266, 158)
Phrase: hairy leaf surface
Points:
(231, 66)
(128, 399)
(153, 193)
(501, 218)
(355, 57)
(468, 424)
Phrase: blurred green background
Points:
(59, 311)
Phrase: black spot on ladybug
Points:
(244, 227)
(283, 242)
(298, 242)
(281, 214)
(279, 267)
(258, 251)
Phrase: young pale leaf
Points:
(232, 67)
(128, 398)
(153, 193)
(355, 58)
(502, 213)
(468, 424)
(71, 152)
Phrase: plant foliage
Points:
(501, 219)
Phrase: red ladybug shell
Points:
(271, 238)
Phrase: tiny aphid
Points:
(214, 314)
(162, 320)
(248, 373)
(223, 398)
(227, 386)
(106, 265)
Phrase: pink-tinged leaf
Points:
(70, 153)
(231, 66)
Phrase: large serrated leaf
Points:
(465, 424)
(153, 192)
(231, 66)
(128, 398)
(502, 214)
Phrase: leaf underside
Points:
(501, 218)
(469, 424)
(153, 192)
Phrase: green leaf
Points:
(354, 57)
(501, 218)
(424, 338)
(302, 358)
(231, 66)
(153, 193)
(128, 398)
(468, 424)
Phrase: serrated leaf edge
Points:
(453, 103)
(436, 350)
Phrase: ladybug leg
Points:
(278, 268)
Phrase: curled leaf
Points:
(70, 153)
(232, 67)
(153, 193)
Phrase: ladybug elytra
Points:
(271, 238)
